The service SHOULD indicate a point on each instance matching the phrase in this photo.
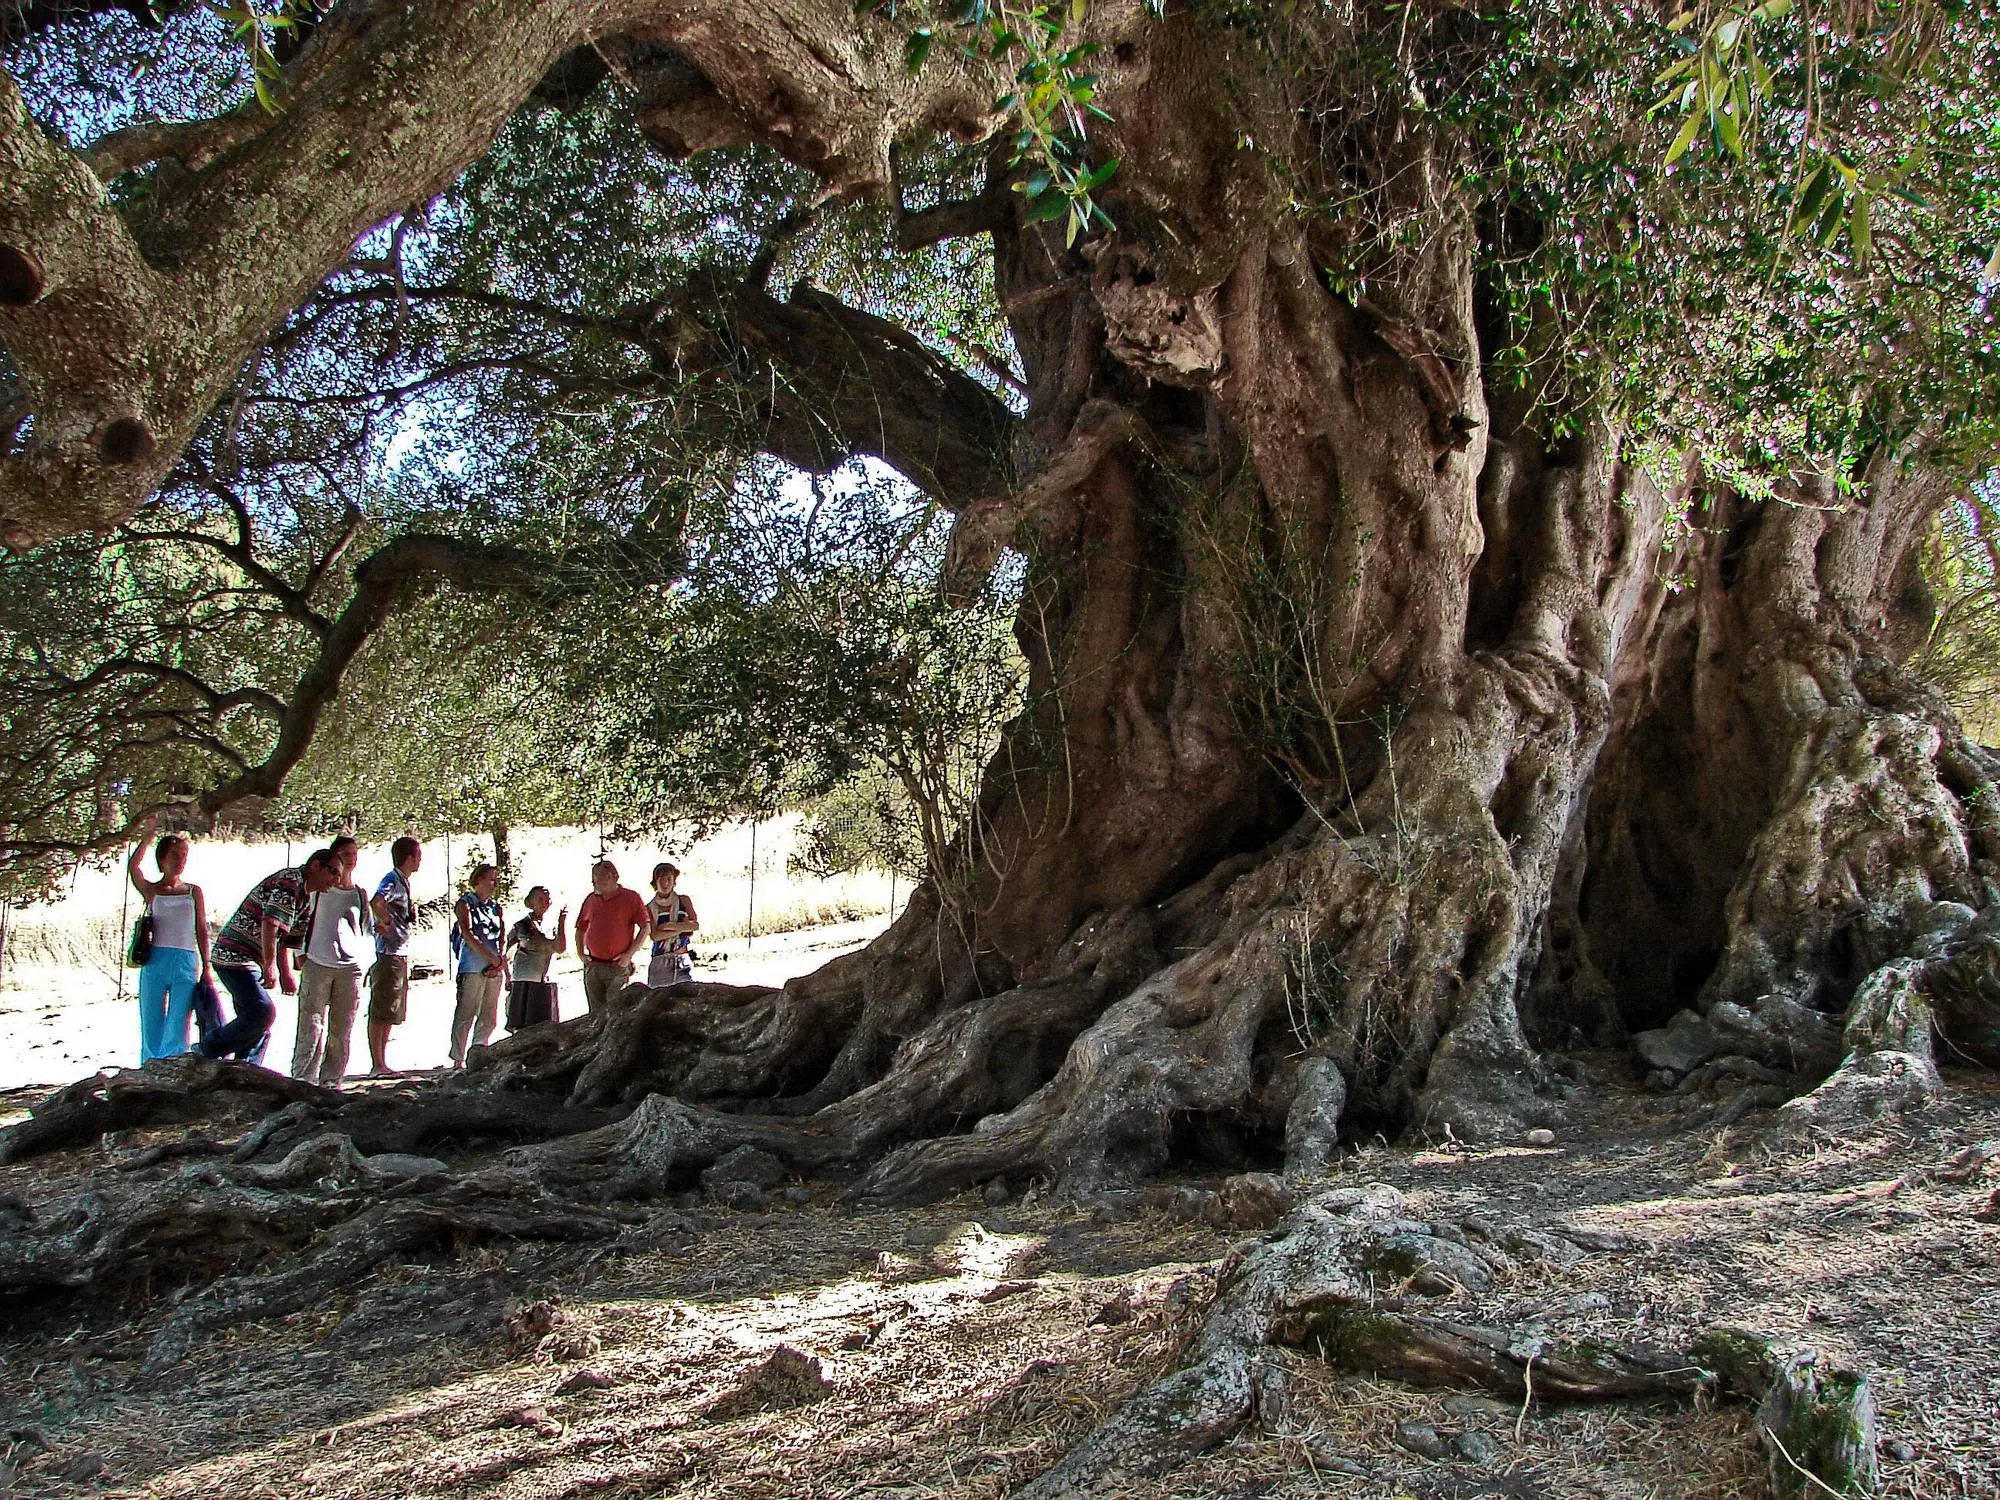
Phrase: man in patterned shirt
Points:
(249, 958)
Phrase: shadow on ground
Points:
(960, 1349)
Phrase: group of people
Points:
(348, 942)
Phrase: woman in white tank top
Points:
(179, 959)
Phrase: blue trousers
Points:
(247, 1035)
(166, 999)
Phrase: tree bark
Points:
(1351, 1278)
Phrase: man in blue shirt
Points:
(395, 912)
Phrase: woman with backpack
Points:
(176, 956)
(482, 966)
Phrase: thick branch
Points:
(72, 281)
(217, 699)
(127, 336)
(855, 383)
(819, 380)
(992, 212)
(241, 552)
(192, 143)
(379, 580)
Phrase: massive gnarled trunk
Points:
(1375, 738)
(1373, 741)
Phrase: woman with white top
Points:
(339, 939)
(179, 960)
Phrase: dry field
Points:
(962, 1347)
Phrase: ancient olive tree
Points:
(1472, 466)
(1469, 470)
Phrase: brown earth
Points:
(961, 1349)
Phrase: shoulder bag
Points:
(140, 948)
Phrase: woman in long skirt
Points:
(531, 999)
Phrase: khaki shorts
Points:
(389, 991)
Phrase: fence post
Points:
(450, 917)
(750, 937)
(118, 942)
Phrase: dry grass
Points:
(962, 1359)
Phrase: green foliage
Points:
(1802, 280)
(1724, 84)
(1961, 657)
(1723, 80)
(1050, 94)
(866, 823)
(810, 646)
(451, 720)
(257, 28)
(99, 645)
(102, 71)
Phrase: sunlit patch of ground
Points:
(961, 1349)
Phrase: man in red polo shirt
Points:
(610, 931)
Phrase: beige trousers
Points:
(477, 1014)
(328, 999)
(601, 981)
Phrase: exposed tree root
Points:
(191, 1090)
(472, 1211)
(1790, 838)
(1859, 896)
(421, 1117)
(1855, 940)
(182, 1090)
(346, 1211)
(197, 1221)
(1351, 1279)
(203, 1217)
(982, 1055)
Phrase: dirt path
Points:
(962, 1348)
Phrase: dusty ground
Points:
(965, 1346)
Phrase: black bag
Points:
(141, 947)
